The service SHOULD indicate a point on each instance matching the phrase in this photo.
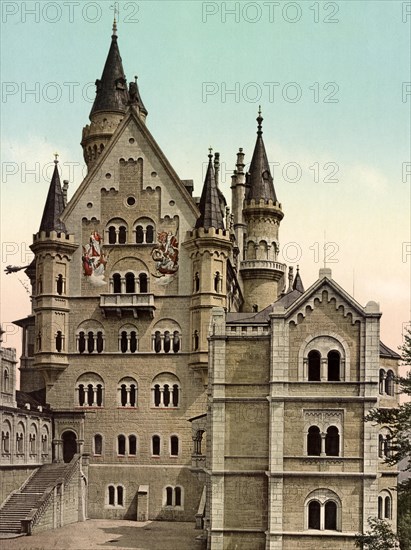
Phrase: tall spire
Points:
(54, 205)
(111, 92)
(259, 179)
(210, 211)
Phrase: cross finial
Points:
(259, 121)
(115, 8)
(56, 158)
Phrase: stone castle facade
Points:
(198, 380)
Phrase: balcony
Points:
(271, 269)
(122, 305)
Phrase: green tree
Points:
(404, 514)
(378, 537)
(398, 419)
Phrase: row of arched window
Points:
(34, 445)
(172, 496)
(143, 232)
(93, 341)
(130, 283)
(165, 391)
(128, 445)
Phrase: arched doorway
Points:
(69, 445)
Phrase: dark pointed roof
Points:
(112, 93)
(210, 211)
(298, 284)
(135, 97)
(385, 351)
(54, 205)
(259, 179)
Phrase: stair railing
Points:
(35, 514)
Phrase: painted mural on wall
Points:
(165, 256)
(94, 260)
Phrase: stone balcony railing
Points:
(127, 304)
(263, 264)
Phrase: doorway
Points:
(69, 445)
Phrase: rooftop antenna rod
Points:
(325, 250)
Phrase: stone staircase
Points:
(21, 502)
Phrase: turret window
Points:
(196, 282)
(59, 341)
(196, 341)
(217, 282)
(60, 285)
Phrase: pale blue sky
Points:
(176, 50)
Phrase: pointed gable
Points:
(54, 206)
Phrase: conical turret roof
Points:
(259, 179)
(210, 211)
(111, 92)
(54, 205)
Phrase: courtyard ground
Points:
(116, 534)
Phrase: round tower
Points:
(209, 247)
(261, 272)
(53, 248)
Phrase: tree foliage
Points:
(398, 419)
(404, 514)
(378, 537)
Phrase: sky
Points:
(333, 81)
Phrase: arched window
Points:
(6, 380)
(167, 341)
(177, 495)
(98, 444)
(120, 496)
(330, 515)
(196, 341)
(381, 446)
(112, 235)
(132, 445)
(380, 508)
(139, 234)
(130, 283)
(314, 515)
(33, 444)
(314, 441)
(196, 282)
(387, 507)
(389, 383)
(198, 441)
(155, 443)
(174, 445)
(121, 445)
(149, 234)
(122, 235)
(166, 391)
(332, 441)
(143, 283)
(89, 389)
(169, 496)
(323, 510)
(217, 280)
(60, 284)
(59, 341)
(314, 366)
(117, 283)
(333, 366)
(5, 442)
(381, 385)
(111, 495)
(127, 392)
